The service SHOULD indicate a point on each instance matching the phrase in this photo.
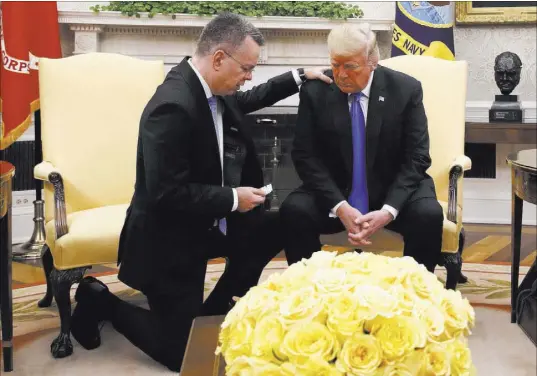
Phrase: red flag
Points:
(29, 30)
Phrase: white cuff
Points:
(235, 200)
(297, 78)
(334, 210)
(391, 210)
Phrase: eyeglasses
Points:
(245, 68)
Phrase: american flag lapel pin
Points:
(381, 98)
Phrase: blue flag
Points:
(424, 28)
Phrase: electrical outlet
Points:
(21, 199)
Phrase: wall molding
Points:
(194, 21)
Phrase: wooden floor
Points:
(484, 244)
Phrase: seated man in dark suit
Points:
(361, 149)
(197, 196)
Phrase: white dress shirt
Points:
(219, 126)
(364, 104)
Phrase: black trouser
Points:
(420, 222)
(162, 331)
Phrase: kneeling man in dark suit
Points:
(197, 196)
(361, 149)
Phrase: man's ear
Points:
(218, 59)
(373, 63)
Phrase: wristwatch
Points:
(302, 74)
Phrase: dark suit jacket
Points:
(397, 142)
(178, 191)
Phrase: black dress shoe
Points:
(91, 298)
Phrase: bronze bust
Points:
(507, 67)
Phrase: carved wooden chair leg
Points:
(462, 239)
(47, 260)
(61, 281)
(453, 264)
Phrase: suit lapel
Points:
(375, 110)
(338, 102)
(203, 110)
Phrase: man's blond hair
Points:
(351, 39)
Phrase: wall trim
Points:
(138, 25)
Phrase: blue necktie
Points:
(358, 197)
(222, 223)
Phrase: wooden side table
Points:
(200, 359)
(6, 300)
(524, 188)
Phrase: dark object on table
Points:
(506, 107)
(526, 309)
(6, 302)
(524, 188)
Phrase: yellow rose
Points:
(309, 340)
(295, 277)
(434, 321)
(345, 260)
(321, 260)
(259, 301)
(398, 336)
(274, 282)
(313, 366)
(303, 305)
(425, 285)
(345, 316)
(437, 361)
(406, 300)
(455, 314)
(365, 263)
(415, 362)
(470, 312)
(398, 369)
(331, 281)
(461, 358)
(267, 338)
(379, 301)
(237, 341)
(406, 264)
(361, 355)
(251, 366)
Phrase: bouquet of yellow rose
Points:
(349, 314)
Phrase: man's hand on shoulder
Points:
(318, 74)
(249, 198)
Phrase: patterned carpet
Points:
(487, 285)
(484, 244)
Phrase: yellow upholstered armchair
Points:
(444, 98)
(90, 110)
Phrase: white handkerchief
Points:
(267, 189)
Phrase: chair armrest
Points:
(47, 172)
(456, 172)
(463, 162)
(42, 171)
